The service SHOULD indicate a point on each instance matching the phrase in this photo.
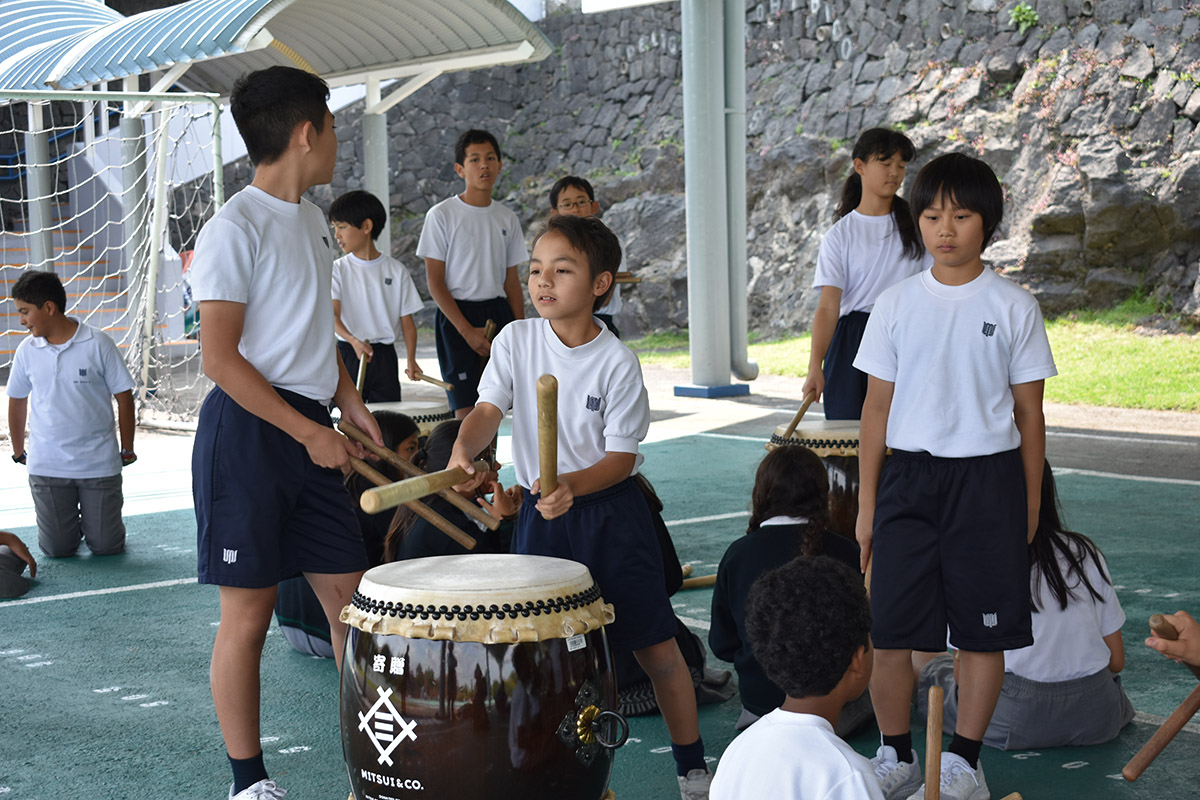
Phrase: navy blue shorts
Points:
(264, 510)
(461, 365)
(381, 384)
(950, 550)
(611, 532)
(845, 386)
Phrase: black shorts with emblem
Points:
(949, 550)
(461, 365)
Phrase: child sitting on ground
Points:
(374, 298)
(1064, 689)
(810, 624)
(72, 371)
(789, 512)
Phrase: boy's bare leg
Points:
(980, 678)
(334, 590)
(891, 690)
(673, 689)
(234, 672)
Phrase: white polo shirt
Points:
(477, 243)
(276, 258)
(374, 296)
(862, 256)
(602, 401)
(71, 387)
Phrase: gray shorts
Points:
(1032, 714)
(71, 510)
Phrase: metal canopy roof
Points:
(206, 45)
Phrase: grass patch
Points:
(1102, 360)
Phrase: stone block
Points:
(948, 50)
(1051, 12)
(1139, 64)
(1155, 126)
(862, 94)
(972, 53)
(1110, 44)
(1143, 31)
(871, 72)
(1111, 12)
(1192, 109)
(1002, 67)
(1059, 40)
(1088, 36)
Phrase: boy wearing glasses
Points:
(472, 247)
(574, 195)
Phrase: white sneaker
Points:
(959, 781)
(695, 785)
(897, 779)
(263, 790)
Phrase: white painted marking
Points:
(39, 664)
(267, 739)
(1115, 476)
(1129, 439)
(97, 592)
(107, 689)
(692, 622)
(300, 748)
(736, 438)
(713, 518)
(1157, 721)
(155, 704)
(135, 697)
(660, 750)
(1075, 765)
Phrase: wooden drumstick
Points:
(454, 498)
(1163, 629)
(699, 582)
(1013, 796)
(490, 329)
(421, 376)
(362, 373)
(626, 277)
(809, 399)
(1163, 736)
(547, 403)
(933, 744)
(384, 497)
(416, 506)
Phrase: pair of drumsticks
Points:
(421, 376)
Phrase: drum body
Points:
(836, 442)
(478, 676)
(428, 414)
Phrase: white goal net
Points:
(109, 190)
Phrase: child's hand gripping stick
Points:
(449, 387)
(547, 400)
(1174, 724)
(1163, 629)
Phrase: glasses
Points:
(580, 205)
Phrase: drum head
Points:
(428, 414)
(479, 598)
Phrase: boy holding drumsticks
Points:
(596, 515)
(957, 358)
(270, 502)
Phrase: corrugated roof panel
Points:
(33, 23)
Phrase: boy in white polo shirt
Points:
(266, 464)
(957, 358)
(472, 246)
(374, 298)
(73, 372)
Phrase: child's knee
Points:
(59, 547)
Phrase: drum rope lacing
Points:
(371, 605)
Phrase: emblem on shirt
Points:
(325, 239)
(387, 281)
(990, 620)
(989, 328)
(82, 372)
(593, 403)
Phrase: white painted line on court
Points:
(735, 437)
(1157, 721)
(713, 518)
(95, 592)
(1116, 476)
(1126, 439)
(692, 622)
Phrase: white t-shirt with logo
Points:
(953, 353)
(790, 756)
(374, 296)
(602, 401)
(863, 255)
(276, 258)
(71, 388)
(477, 243)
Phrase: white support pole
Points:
(39, 187)
(735, 181)
(705, 180)
(157, 231)
(376, 175)
(133, 209)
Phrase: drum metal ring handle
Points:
(622, 727)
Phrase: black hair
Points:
(37, 288)
(356, 207)
(964, 181)
(267, 106)
(571, 182)
(1052, 541)
(474, 136)
(805, 621)
(792, 481)
(592, 238)
(882, 144)
(432, 456)
(394, 428)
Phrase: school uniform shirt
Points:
(374, 296)
(602, 402)
(71, 388)
(477, 243)
(1069, 643)
(276, 258)
(862, 256)
(953, 352)
(790, 756)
